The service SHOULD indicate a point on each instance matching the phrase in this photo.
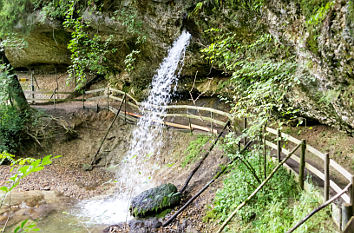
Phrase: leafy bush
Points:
(276, 208)
(12, 126)
(262, 72)
(23, 167)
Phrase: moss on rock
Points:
(155, 200)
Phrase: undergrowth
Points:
(195, 150)
(276, 208)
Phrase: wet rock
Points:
(135, 226)
(35, 204)
(155, 200)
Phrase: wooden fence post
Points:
(212, 125)
(108, 98)
(264, 152)
(32, 87)
(83, 99)
(302, 164)
(189, 123)
(55, 98)
(279, 146)
(125, 108)
(245, 127)
(352, 194)
(326, 181)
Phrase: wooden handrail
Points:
(312, 169)
(122, 93)
(47, 92)
(136, 104)
(314, 151)
(95, 90)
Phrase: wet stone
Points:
(136, 225)
(155, 200)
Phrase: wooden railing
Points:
(323, 173)
(117, 95)
(328, 166)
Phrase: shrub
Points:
(276, 208)
(12, 126)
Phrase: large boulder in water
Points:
(155, 200)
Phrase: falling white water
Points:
(133, 176)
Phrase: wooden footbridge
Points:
(307, 161)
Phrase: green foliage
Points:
(129, 19)
(251, 6)
(130, 60)
(12, 126)
(52, 9)
(23, 167)
(262, 72)
(319, 15)
(195, 149)
(275, 208)
(13, 12)
(12, 121)
(5, 77)
(314, 10)
(26, 226)
(88, 52)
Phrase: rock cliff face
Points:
(46, 45)
(326, 51)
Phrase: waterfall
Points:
(145, 136)
(146, 142)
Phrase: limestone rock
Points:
(155, 200)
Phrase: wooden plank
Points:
(284, 135)
(203, 128)
(58, 100)
(314, 170)
(297, 141)
(202, 118)
(96, 98)
(176, 125)
(337, 189)
(291, 138)
(123, 93)
(95, 90)
(340, 169)
(47, 92)
(120, 100)
(185, 107)
(222, 113)
(272, 131)
(274, 146)
(316, 152)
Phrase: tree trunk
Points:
(16, 94)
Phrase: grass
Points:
(276, 208)
(195, 150)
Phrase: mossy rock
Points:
(154, 201)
